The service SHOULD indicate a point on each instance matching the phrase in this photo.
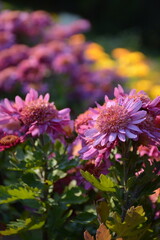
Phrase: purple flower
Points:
(30, 70)
(117, 120)
(61, 32)
(149, 128)
(12, 20)
(114, 121)
(36, 115)
(141, 95)
(64, 63)
(34, 23)
(8, 79)
(7, 39)
(13, 55)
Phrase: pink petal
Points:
(90, 132)
(138, 121)
(33, 93)
(135, 107)
(35, 132)
(46, 97)
(98, 140)
(121, 137)
(137, 115)
(112, 137)
(64, 111)
(8, 105)
(104, 141)
(91, 152)
(19, 102)
(122, 131)
(134, 127)
(130, 135)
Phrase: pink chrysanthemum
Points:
(141, 95)
(117, 120)
(149, 127)
(36, 115)
(84, 121)
(8, 141)
(150, 150)
(64, 62)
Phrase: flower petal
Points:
(112, 137)
(134, 127)
(130, 134)
(121, 137)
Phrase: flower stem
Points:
(45, 235)
(125, 150)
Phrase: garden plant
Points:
(79, 153)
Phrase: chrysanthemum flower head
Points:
(150, 129)
(117, 120)
(141, 95)
(36, 115)
(84, 121)
(9, 140)
(64, 62)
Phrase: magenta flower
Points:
(31, 71)
(9, 140)
(35, 23)
(8, 79)
(64, 63)
(117, 120)
(11, 20)
(7, 39)
(83, 122)
(149, 127)
(98, 153)
(150, 150)
(141, 95)
(36, 115)
(13, 55)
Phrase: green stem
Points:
(45, 235)
(125, 151)
(125, 192)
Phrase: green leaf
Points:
(10, 194)
(102, 209)
(105, 183)
(132, 226)
(75, 195)
(22, 225)
(85, 218)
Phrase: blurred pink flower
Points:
(150, 150)
(64, 63)
(7, 39)
(13, 55)
(30, 70)
(8, 79)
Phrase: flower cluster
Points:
(35, 48)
